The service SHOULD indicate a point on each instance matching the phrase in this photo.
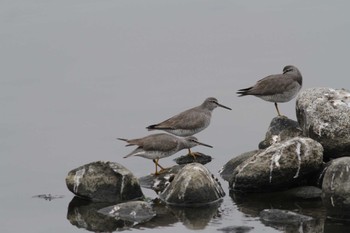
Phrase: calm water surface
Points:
(77, 74)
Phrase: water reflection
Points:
(84, 214)
(253, 204)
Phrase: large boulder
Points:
(281, 128)
(324, 115)
(226, 172)
(336, 187)
(282, 165)
(194, 185)
(104, 182)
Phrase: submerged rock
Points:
(280, 166)
(236, 229)
(226, 172)
(194, 185)
(281, 128)
(133, 211)
(324, 115)
(104, 182)
(48, 197)
(289, 221)
(304, 192)
(336, 187)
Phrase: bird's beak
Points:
(203, 144)
(223, 106)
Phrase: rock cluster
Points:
(113, 189)
(304, 159)
(295, 153)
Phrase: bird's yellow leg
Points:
(155, 161)
(193, 154)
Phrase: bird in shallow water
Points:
(161, 145)
(277, 88)
(191, 121)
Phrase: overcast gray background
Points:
(77, 74)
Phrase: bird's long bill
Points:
(223, 106)
(203, 144)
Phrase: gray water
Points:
(75, 75)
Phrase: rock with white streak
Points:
(336, 187)
(132, 211)
(324, 115)
(280, 129)
(104, 182)
(280, 166)
(194, 185)
(226, 172)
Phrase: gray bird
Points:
(277, 88)
(161, 145)
(191, 121)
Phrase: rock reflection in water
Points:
(196, 218)
(253, 203)
(84, 214)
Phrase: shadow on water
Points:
(84, 214)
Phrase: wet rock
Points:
(194, 185)
(289, 221)
(304, 192)
(336, 187)
(104, 182)
(324, 115)
(278, 167)
(133, 211)
(283, 216)
(226, 172)
(236, 229)
(159, 182)
(281, 128)
(200, 158)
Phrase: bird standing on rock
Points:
(161, 145)
(191, 121)
(277, 88)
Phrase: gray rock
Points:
(236, 229)
(281, 128)
(226, 172)
(280, 166)
(104, 182)
(283, 216)
(289, 221)
(194, 185)
(336, 187)
(132, 211)
(186, 159)
(159, 182)
(324, 115)
(304, 192)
